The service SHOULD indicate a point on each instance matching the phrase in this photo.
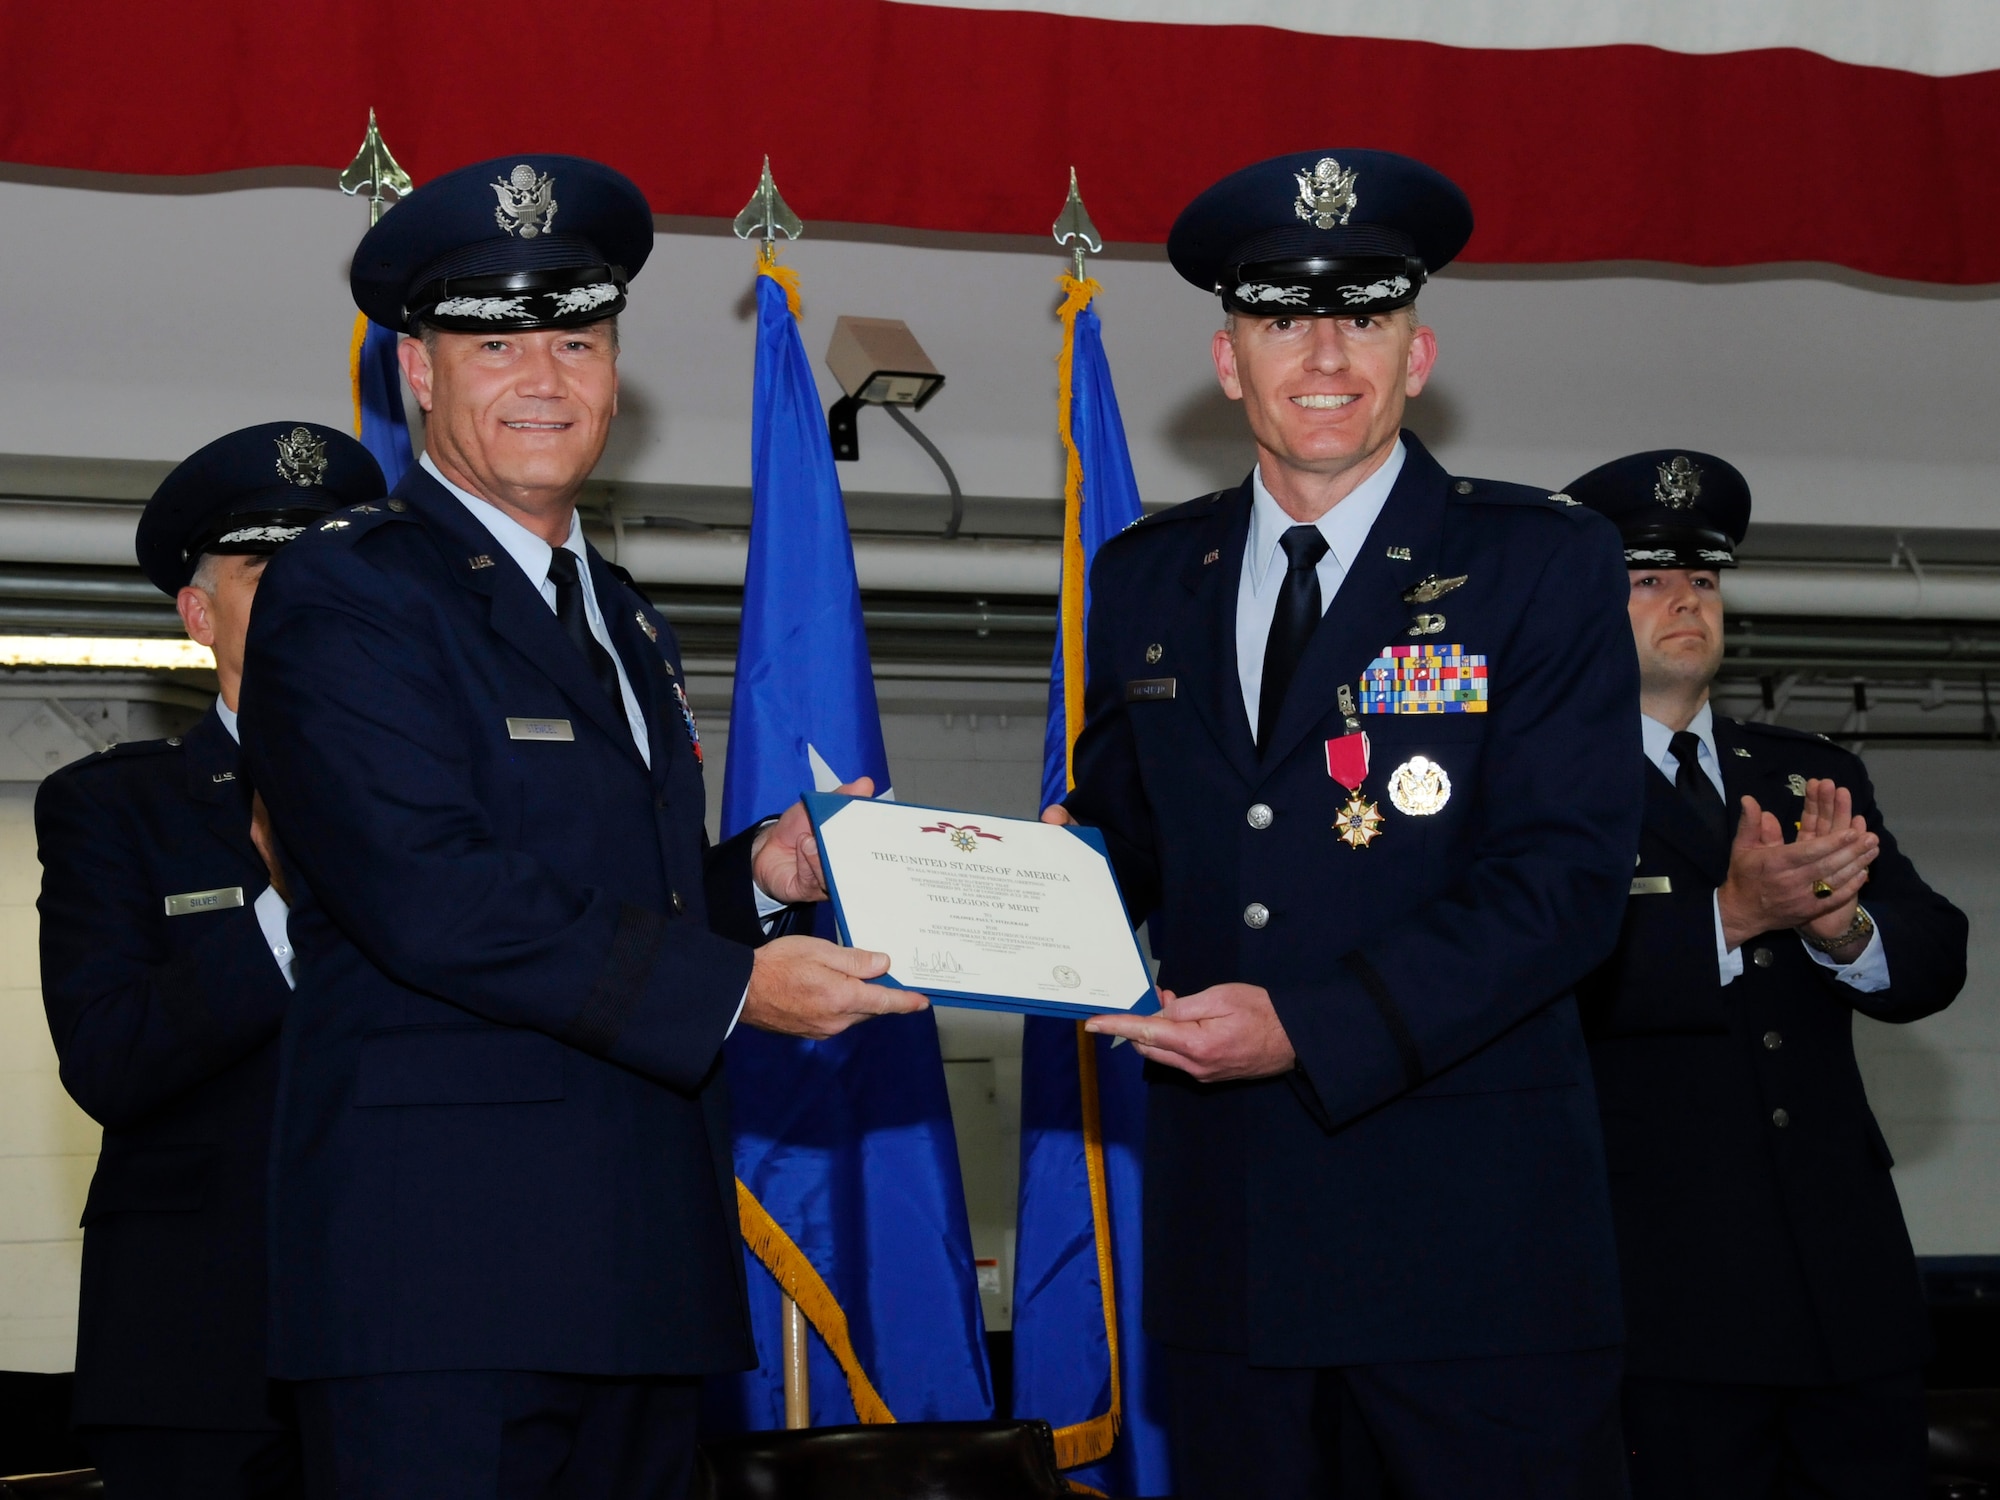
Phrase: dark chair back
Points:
(894, 1461)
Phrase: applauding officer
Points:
(1775, 1322)
(1360, 740)
(166, 971)
(504, 1232)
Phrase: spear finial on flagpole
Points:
(1073, 227)
(376, 170)
(766, 216)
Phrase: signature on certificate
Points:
(939, 963)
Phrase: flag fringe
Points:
(786, 277)
(354, 364)
(1076, 297)
(798, 1279)
(1087, 1442)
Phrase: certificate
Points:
(997, 913)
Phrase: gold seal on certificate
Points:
(998, 913)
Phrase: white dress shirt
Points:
(1870, 970)
(272, 912)
(1345, 528)
(532, 554)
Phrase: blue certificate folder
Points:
(821, 806)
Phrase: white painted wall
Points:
(140, 324)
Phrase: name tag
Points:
(1652, 885)
(539, 729)
(189, 902)
(1145, 689)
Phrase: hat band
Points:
(517, 300)
(1679, 549)
(253, 533)
(1319, 288)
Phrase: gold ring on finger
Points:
(1821, 889)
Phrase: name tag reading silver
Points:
(1146, 689)
(539, 729)
(1652, 885)
(189, 902)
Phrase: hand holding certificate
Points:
(996, 913)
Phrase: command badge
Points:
(1419, 787)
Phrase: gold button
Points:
(1773, 1041)
(1780, 1119)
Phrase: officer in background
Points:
(166, 971)
(504, 1231)
(1775, 1321)
(1365, 763)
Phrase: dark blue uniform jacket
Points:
(167, 1028)
(502, 1136)
(1751, 1251)
(1429, 1182)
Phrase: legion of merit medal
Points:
(1359, 821)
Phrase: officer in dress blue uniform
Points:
(503, 1226)
(1775, 1323)
(166, 970)
(1359, 736)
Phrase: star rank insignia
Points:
(1358, 823)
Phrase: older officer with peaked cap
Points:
(1360, 740)
(1775, 1323)
(504, 1236)
(166, 970)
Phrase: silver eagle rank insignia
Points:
(527, 202)
(1326, 194)
(301, 458)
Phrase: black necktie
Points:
(1292, 626)
(575, 621)
(1696, 789)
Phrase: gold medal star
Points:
(1359, 823)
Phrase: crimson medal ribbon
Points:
(1347, 760)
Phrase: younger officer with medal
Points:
(1364, 760)
(166, 968)
(1776, 1327)
(504, 1241)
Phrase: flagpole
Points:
(765, 218)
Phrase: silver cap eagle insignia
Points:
(1680, 483)
(527, 202)
(1326, 194)
(301, 458)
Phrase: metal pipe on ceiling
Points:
(72, 533)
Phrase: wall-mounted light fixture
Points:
(879, 362)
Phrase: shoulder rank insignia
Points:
(1562, 499)
(364, 510)
(1433, 588)
(336, 524)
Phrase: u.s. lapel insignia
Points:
(1742, 752)
(479, 560)
(1427, 625)
(1214, 554)
(1359, 822)
(1154, 652)
(1432, 589)
(1399, 554)
(1419, 787)
(645, 624)
(1796, 783)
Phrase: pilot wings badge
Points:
(1680, 483)
(1326, 194)
(301, 458)
(527, 202)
